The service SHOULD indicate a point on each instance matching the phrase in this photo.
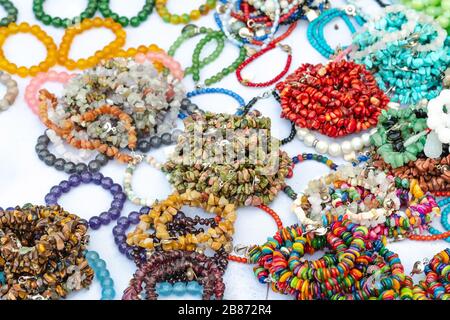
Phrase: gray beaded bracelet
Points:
(12, 91)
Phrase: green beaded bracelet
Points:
(142, 16)
(190, 31)
(394, 128)
(11, 12)
(57, 22)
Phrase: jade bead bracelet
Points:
(39, 13)
(11, 13)
(142, 16)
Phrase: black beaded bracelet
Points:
(146, 144)
(39, 13)
(11, 13)
(293, 132)
(61, 164)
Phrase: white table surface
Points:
(25, 179)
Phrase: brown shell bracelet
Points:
(42, 253)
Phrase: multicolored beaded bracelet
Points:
(163, 12)
(437, 279)
(97, 178)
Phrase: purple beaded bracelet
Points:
(96, 178)
(134, 253)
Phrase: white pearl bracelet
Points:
(346, 149)
(11, 91)
(127, 187)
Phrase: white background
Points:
(25, 179)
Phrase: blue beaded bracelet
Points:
(315, 32)
(224, 91)
(445, 211)
(102, 274)
(165, 289)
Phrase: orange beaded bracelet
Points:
(109, 51)
(278, 222)
(41, 35)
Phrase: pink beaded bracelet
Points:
(35, 85)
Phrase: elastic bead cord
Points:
(12, 90)
(135, 21)
(41, 35)
(57, 22)
(11, 13)
(102, 274)
(35, 85)
(315, 32)
(97, 178)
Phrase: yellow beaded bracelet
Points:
(41, 35)
(164, 212)
(109, 51)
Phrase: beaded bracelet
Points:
(47, 41)
(107, 52)
(406, 51)
(190, 31)
(336, 99)
(189, 107)
(437, 279)
(246, 186)
(142, 16)
(445, 211)
(12, 91)
(97, 178)
(102, 274)
(35, 85)
(176, 266)
(11, 12)
(39, 14)
(368, 198)
(394, 130)
(163, 12)
(42, 253)
(290, 244)
(244, 250)
(162, 212)
(69, 163)
(433, 174)
(315, 30)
